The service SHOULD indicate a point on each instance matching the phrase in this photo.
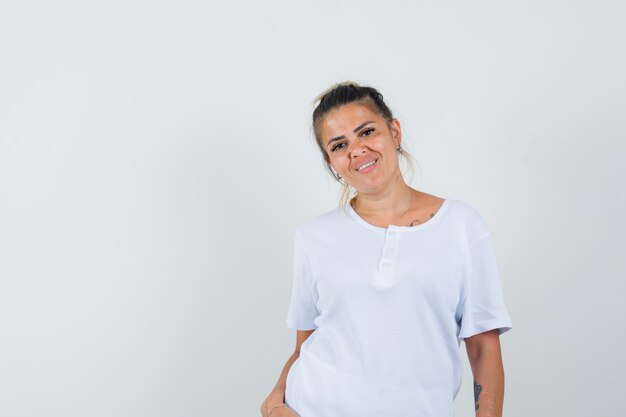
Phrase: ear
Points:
(396, 131)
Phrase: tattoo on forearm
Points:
(477, 389)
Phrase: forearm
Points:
(488, 375)
(277, 395)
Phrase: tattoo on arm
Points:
(477, 389)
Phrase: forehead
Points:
(344, 119)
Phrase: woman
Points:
(386, 286)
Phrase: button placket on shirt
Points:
(387, 260)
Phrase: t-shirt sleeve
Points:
(483, 308)
(302, 308)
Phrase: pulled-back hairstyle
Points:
(341, 94)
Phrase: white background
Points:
(156, 156)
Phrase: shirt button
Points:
(386, 263)
(392, 233)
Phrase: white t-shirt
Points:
(389, 307)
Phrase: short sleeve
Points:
(483, 308)
(302, 308)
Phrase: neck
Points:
(392, 201)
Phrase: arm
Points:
(277, 396)
(483, 352)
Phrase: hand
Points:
(282, 411)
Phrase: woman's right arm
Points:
(277, 396)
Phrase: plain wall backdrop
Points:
(156, 157)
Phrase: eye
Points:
(367, 132)
(337, 147)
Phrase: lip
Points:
(369, 168)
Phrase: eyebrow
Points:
(355, 130)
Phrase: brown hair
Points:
(338, 95)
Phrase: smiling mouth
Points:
(367, 164)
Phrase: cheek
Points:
(342, 166)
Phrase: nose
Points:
(356, 149)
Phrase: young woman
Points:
(386, 285)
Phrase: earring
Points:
(399, 148)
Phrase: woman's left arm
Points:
(483, 352)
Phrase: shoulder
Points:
(321, 223)
(331, 227)
(469, 219)
(462, 208)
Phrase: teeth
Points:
(366, 165)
